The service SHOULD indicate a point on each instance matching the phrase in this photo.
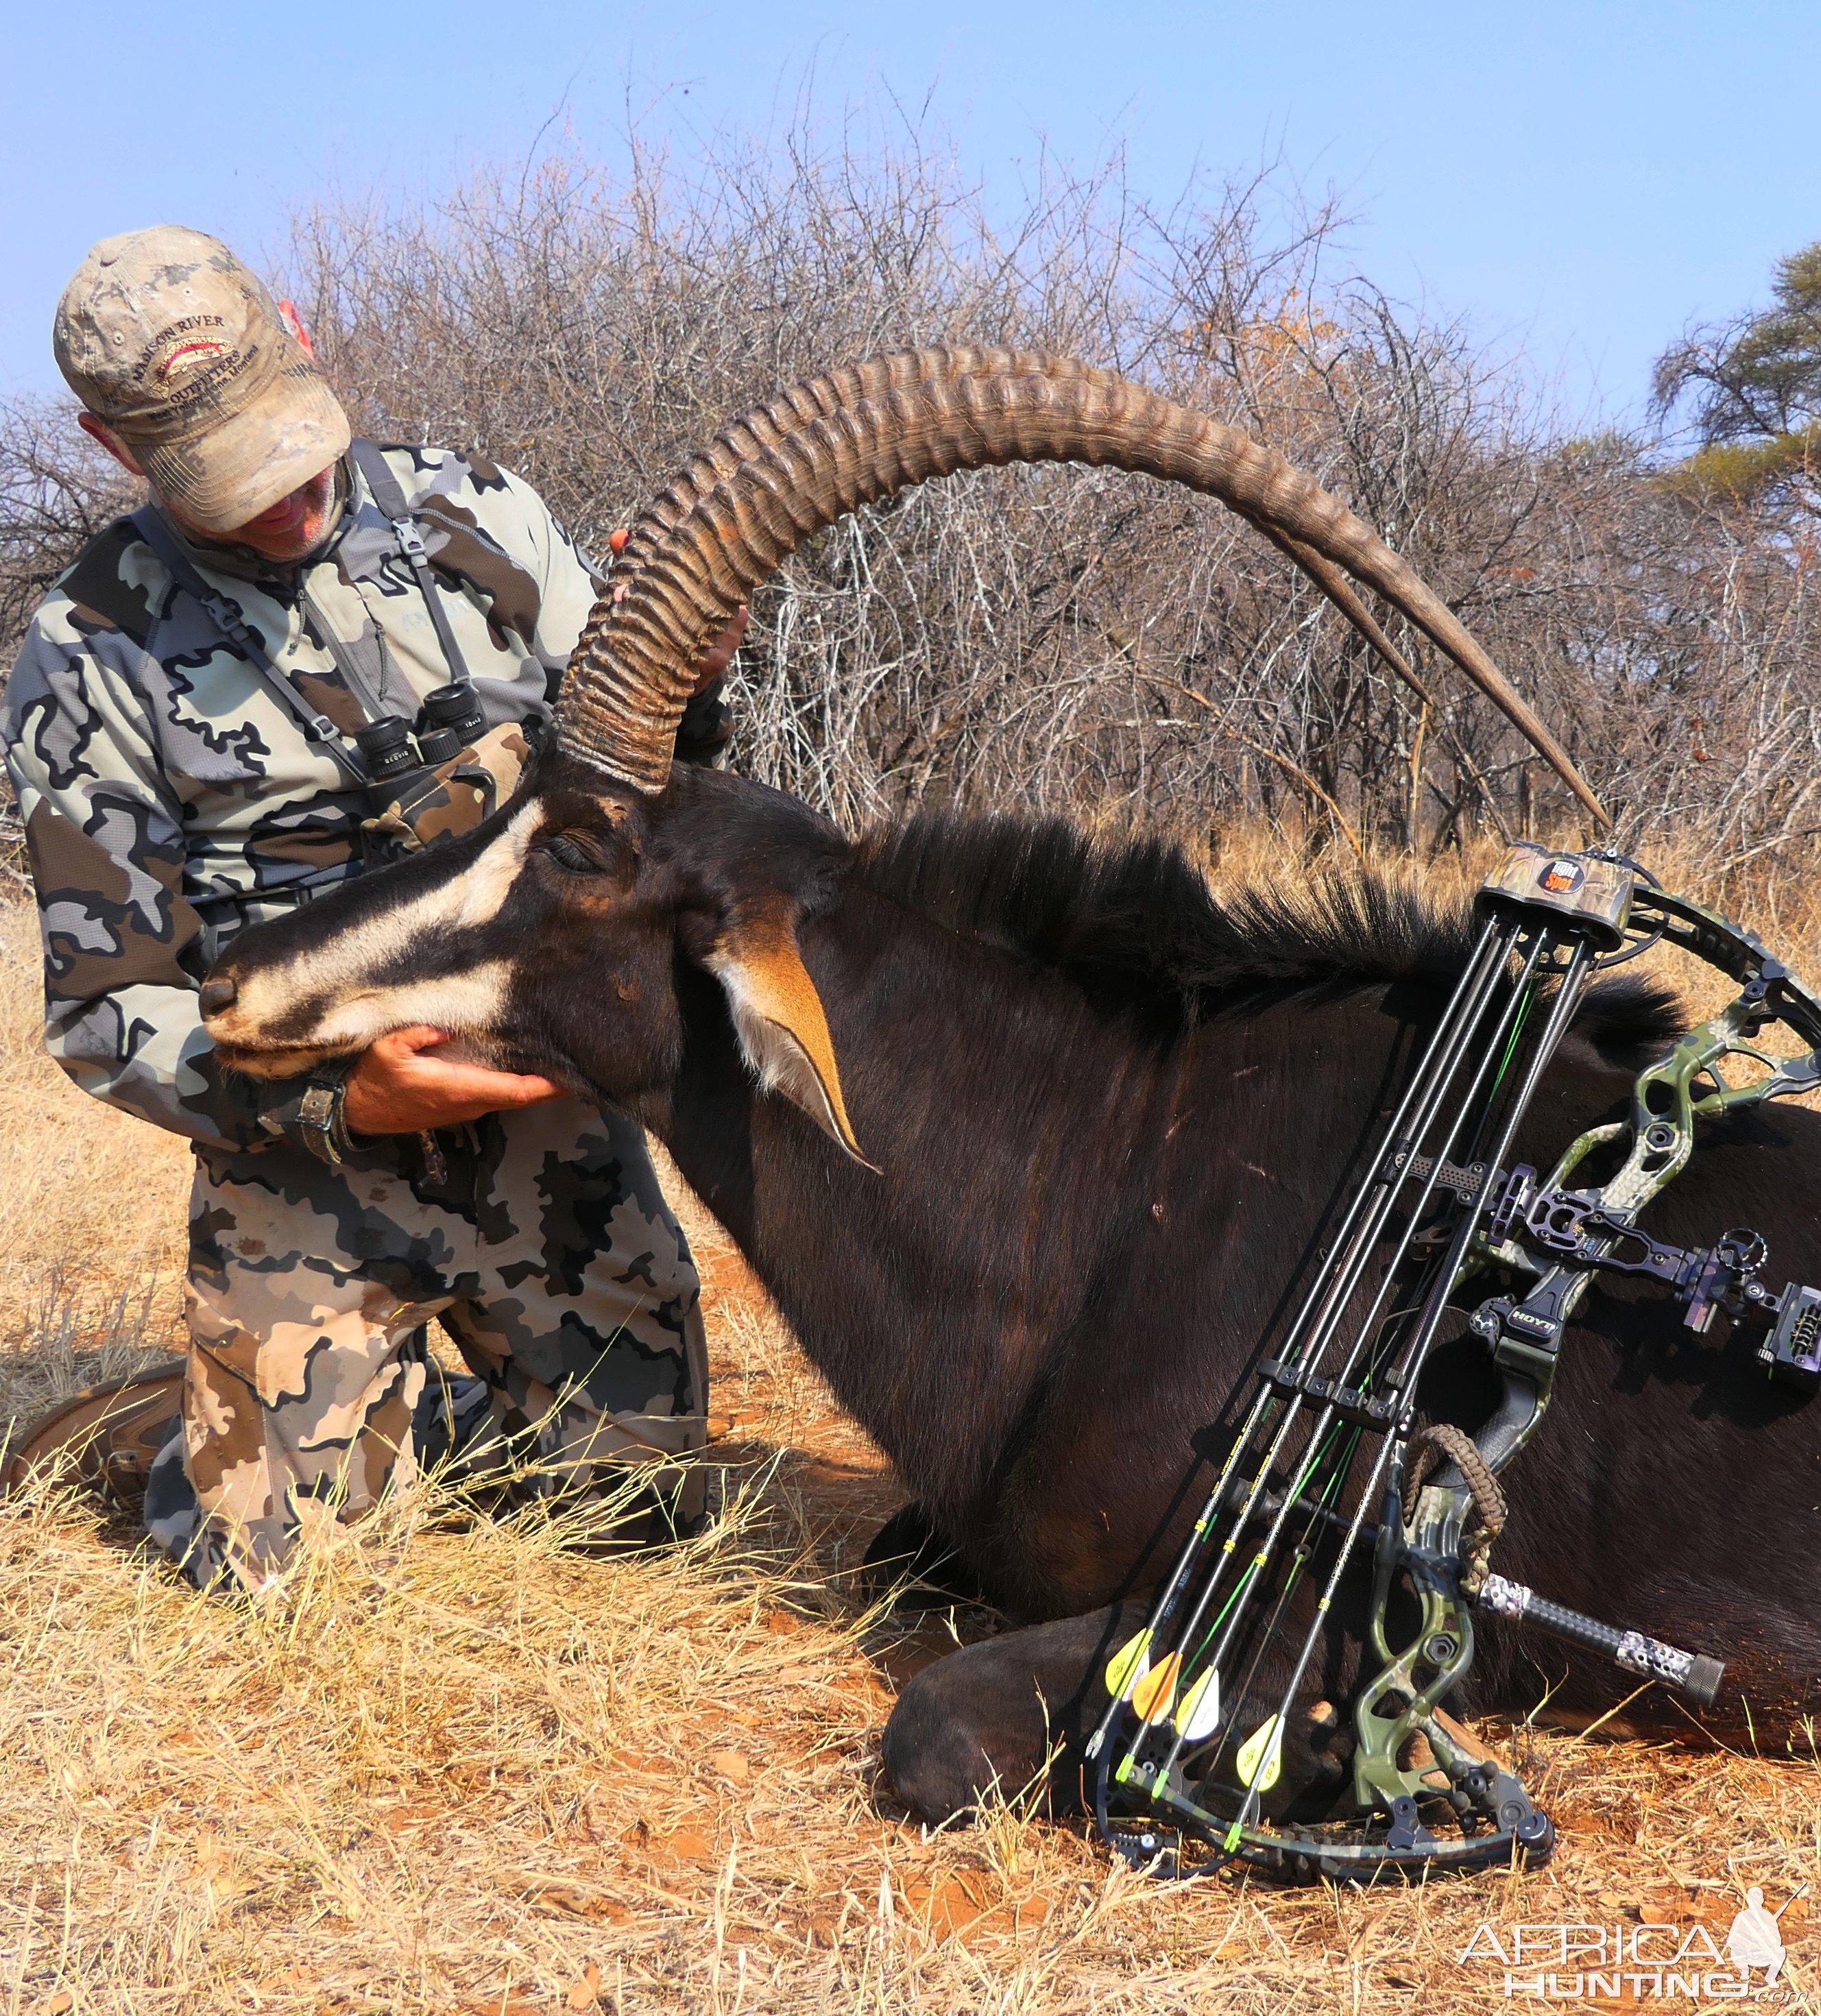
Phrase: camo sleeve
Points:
(122, 948)
(569, 585)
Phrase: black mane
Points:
(1138, 929)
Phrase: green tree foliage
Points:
(1752, 389)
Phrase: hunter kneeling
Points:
(210, 722)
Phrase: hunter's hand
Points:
(401, 1086)
(720, 655)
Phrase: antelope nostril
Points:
(218, 995)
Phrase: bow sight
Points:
(1328, 1464)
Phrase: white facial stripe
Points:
(463, 1003)
(479, 893)
(346, 963)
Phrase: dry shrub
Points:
(57, 489)
(1069, 639)
(1073, 639)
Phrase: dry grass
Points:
(478, 1773)
(91, 1208)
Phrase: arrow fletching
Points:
(1128, 1666)
(1198, 1715)
(1260, 1756)
(1152, 1696)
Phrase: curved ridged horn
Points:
(861, 433)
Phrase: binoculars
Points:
(449, 721)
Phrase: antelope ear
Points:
(782, 1028)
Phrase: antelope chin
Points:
(288, 1061)
(292, 1060)
(465, 1049)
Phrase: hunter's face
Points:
(286, 532)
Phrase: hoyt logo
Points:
(1569, 1962)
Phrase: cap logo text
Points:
(167, 337)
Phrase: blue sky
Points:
(1578, 180)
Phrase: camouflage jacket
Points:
(169, 797)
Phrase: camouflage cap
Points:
(164, 335)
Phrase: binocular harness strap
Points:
(390, 499)
(227, 618)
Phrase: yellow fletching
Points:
(1152, 1695)
(1128, 1665)
(1261, 1755)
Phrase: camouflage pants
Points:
(546, 1249)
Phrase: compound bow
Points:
(1333, 1413)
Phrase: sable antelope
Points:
(1026, 1138)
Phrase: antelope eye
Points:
(566, 854)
